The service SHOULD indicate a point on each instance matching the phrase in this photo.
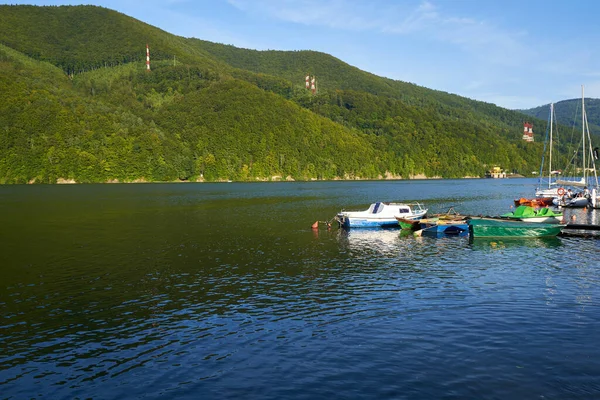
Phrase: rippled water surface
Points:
(223, 291)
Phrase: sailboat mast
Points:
(592, 160)
(550, 153)
(583, 132)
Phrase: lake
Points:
(223, 291)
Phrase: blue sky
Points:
(516, 54)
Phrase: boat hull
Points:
(455, 229)
(577, 202)
(435, 234)
(547, 193)
(536, 202)
(350, 222)
(408, 223)
(381, 215)
(445, 227)
(529, 214)
(507, 228)
(541, 220)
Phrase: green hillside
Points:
(333, 74)
(568, 113)
(214, 112)
(82, 38)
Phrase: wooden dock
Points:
(583, 227)
(582, 230)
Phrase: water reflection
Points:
(581, 215)
(398, 243)
(504, 243)
(371, 240)
(391, 241)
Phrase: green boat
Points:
(407, 223)
(530, 214)
(489, 227)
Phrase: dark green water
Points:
(219, 291)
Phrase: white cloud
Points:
(335, 14)
(479, 38)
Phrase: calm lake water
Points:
(223, 291)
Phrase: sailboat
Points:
(589, 176)
(552, 190)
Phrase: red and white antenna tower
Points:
(313, 85)
(147, 58)
(307, 82)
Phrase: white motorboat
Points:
(380, 215)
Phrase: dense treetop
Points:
(79, 105)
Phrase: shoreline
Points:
(62, 181)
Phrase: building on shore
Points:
(495, 173)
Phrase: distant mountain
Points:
(79, 105)
(568, 113)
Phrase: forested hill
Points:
(78, 104)
(333, 74)
(568, 113)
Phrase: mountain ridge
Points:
(213, 112)
(568, 113)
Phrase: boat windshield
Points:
(376, 208)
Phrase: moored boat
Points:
(444, 226)
(408, 223)
(530, 214)
(381, 215)
(550, 192)
(583, 175)
(418, 224)
(578, 201)
(535, 202)
(491, 227)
